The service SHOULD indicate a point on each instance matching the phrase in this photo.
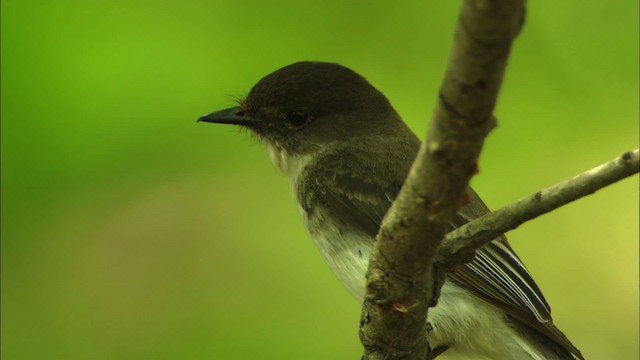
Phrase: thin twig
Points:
(460, 244)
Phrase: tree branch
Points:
(401, 280)
(460, 244)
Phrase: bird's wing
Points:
(496, 274)
(352, 193)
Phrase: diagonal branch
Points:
(460, 244)
(401, 281)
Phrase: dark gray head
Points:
(303, 106)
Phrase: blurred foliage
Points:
(131, 232)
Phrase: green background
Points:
(131, 232)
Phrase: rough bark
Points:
(401, 281)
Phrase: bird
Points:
(346, 153)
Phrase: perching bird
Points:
(346, 153)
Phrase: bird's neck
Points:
(290, 165)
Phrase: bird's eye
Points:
(297, 117)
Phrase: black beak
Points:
(234, 115)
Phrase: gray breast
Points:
(346, 252)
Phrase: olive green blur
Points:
(129, 231)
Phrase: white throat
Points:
(288, 164)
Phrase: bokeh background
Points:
(131, 232)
